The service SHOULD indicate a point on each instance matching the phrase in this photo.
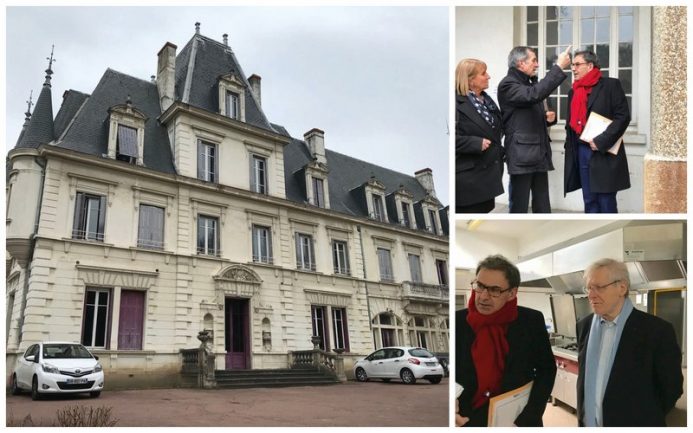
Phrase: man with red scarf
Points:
(590, 165)
(500, 347)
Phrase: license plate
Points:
(76, 381)
(431, 364)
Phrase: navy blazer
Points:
(530, 359)
(608, 172)
(645, 380)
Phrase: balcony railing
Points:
(413, 289)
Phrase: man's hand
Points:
(550, 116)
(593, 146)
(459, 419)
(563, 59)
(485, 144)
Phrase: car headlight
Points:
(98, 368)
(47, 368)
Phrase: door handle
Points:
(397, 360)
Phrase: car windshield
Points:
(420, 353)
(64, 351)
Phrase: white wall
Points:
(471, 247)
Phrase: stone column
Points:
(665, 161)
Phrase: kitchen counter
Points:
(565, 353)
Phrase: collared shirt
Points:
(609, 331)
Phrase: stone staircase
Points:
(273, 378)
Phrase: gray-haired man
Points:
(525, 120)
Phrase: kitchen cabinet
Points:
(565, 386)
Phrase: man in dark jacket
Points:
(629, 361)
(525, 120)
(500, 347)
(596, 165)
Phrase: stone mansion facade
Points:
(148, 211)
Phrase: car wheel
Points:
(435, 380)
(386, 380)
(407, 376)
(95, 394)
(361, 375)
(35, 394)
(15, 387)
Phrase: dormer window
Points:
(126, 133)
(232, 97)
(232, 105)
(378, 208)
(406, 218)
(126, 144)
(318, 192)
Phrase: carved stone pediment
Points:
(237, 281)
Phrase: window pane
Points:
(533, 34)
(565, 86)
(551, 33)
(563, 107)
(625, 9)
(603, 11)
(551, 12)
(586, 31)
(630, 103)
(626, 77)
(566, 32)
(565, 12)
(553, 103)
(532, 13)
(602, 30)
(127, 141)
(625, 54)
(551, 56)
(603, 55)
(625, 29)
(101, 320)
(587, 11)
(88, 322)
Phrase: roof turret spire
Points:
(49, 71)
(39, 128)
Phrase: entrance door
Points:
(237, 339)
(131, 318)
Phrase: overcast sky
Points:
(375, 79)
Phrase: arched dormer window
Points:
(126, 133)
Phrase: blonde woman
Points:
(478, 134)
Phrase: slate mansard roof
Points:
(82, 125)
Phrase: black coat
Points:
(478, 175)
(530, 358)
(521, 99)
(608, 173)
(645, 380)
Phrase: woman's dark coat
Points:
(608, 172)
(478, 175)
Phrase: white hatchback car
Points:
(406, 363)
(57, 367)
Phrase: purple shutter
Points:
(131, 320)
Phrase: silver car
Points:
(406, 363)
(57, 367)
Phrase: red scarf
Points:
(578, 105)
(490, 347)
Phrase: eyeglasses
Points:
(598, 289)
(493, 291)
(576, 64)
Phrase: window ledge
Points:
(100, 352)
(152, 250)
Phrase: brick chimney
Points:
(254, 81)
(425, 178)
(166, 75)
(315, 139)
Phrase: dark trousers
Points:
(483, 207)
(520, 187)
(595, 202)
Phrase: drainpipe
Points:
(20, 322)
(368, 298)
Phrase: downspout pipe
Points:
(365, 282)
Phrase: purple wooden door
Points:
(131, 320)
(237, 339)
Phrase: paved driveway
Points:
(350, 404)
